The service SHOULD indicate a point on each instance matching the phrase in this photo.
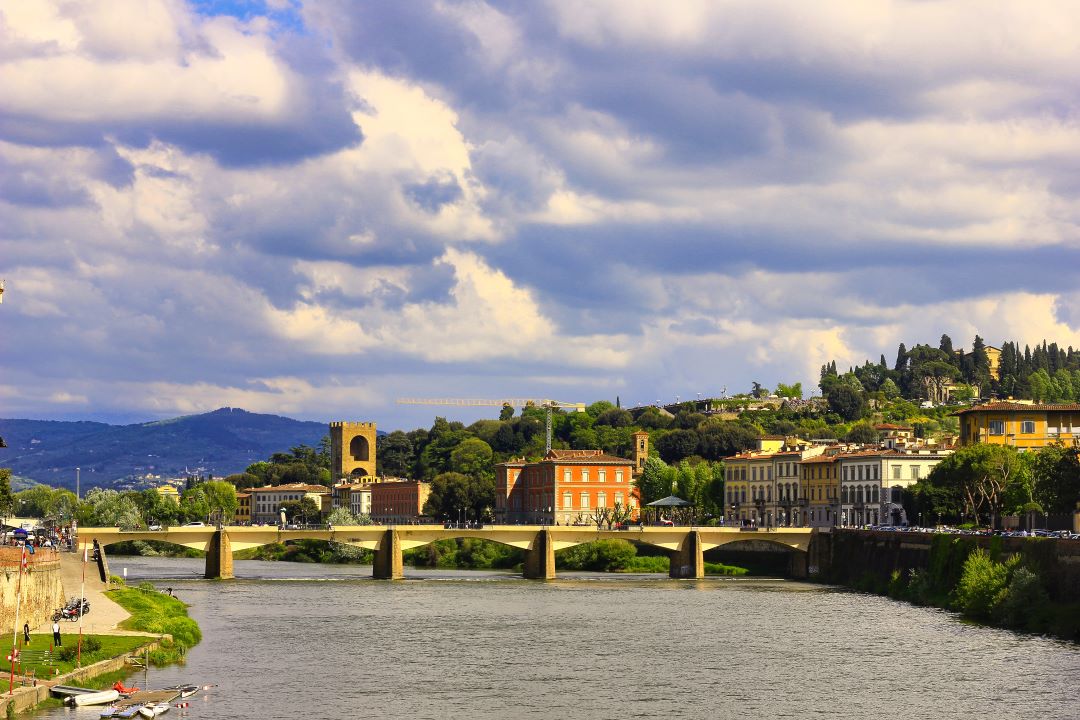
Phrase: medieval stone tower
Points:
(352, 449)
(641, 451)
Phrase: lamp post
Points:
(77, 472)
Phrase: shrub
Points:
(117, 581)
(1021, 600)
(982, 584)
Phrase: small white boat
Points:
(151, 710)
(108, 711)
(184, 690)
(96, 698)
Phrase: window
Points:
(567, 501)
(601, 475)
(896, 470)
(875, 493)
(601, 500)
(997, 427)
(584, 475)
(914, 472)
(1027, 427)
(619, 498)
(584, 501)
(618, 476)
(566, 475)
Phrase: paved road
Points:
(104, 614)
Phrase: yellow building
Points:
(1020, 425)
(168, 492)
(821, 484)
(243, 509)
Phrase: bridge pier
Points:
(388, 565)
(219, 560)
(540, 558)
(688, 561)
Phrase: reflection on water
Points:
(319, 641)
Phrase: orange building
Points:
(565, 487)
(399, 502)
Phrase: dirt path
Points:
(104, 614)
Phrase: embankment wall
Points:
(41, 589)
(852, 557)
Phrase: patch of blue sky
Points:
(284, 13)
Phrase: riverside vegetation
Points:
(985, 586)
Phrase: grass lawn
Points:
(154, 612)
(110, 646)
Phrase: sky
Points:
(314, 208)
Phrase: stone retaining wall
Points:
(41, 589)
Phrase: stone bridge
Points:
(685, 544)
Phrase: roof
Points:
(670, 501)
(295, 487)
(1020, 407)
(890, 426)
(819, 459)
(583, 457)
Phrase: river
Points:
(287, 641)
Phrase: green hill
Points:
(220, 442)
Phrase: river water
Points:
(290, 641)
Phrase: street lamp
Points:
(77, 471)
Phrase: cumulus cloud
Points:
(312, 209)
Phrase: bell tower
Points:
(352, 450)
(641, 451)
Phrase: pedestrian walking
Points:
(56, 634)
(26, 633)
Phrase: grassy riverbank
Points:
(157, 613)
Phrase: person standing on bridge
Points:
(26, 633)
(57, 642)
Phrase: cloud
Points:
(317, 207)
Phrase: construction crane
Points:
(508, 402)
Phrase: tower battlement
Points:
(347, 425)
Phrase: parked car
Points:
(196, 523)
(154, 528)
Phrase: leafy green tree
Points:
(723, 438)
(109, 508)
(220, 498)
(472, 457)
(395, 455)
(33, 502)
(847, 402)
(7, 499)
(862, 433)
(615, 418)
(453, 491)
(655, 481)
(651, 418)
(677, 444)
(1056, 478)
(507, 413)
(303, 510)
(790, 391)
(889, 389)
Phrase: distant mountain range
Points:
(221, 442)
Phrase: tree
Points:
(847, 402)
(472, 457)
(790, 391)
(759, 391)
(1056, 478)
(655, 481)
(615, 418)
(303, 510)
(935, 377)
(7, 500)
(723, 438)
(220, 498)
(889, 389)
(395, 454)
(109, 508)
(862, 433)
(506, 413)
(677, 445)
(453, 491)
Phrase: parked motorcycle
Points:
(72, 610)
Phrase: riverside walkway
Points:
(685, 544)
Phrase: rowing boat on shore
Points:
(95, 698)
(152, 710)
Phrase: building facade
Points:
(266, 501)
(1020, 425)
(820, 480)
(564, 488)
(243, 508)
(398, 501)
